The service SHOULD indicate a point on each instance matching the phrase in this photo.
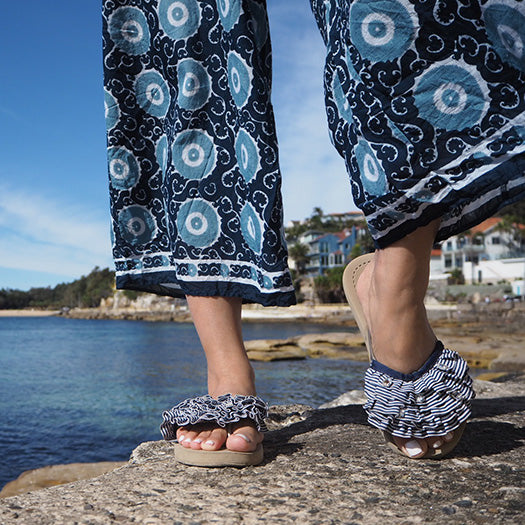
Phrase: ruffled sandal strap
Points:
(432, 401)
(223, 411)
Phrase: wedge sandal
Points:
(432, 401)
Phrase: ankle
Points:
(237, 379)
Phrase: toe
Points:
(435, 443)
(187, 438)
(199, 439)
(412, 448)
(448, 437)
(244, 438)
(214, 440)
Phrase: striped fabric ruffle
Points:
(432, 401)
(224, 410)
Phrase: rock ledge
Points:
(321, 466)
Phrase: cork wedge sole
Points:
(350, 277)
(218, 458)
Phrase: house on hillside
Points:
(354, 216)
(488, 252)
(328, 250)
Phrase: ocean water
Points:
(85, 391)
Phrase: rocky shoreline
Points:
(488, 336)
(322, 466)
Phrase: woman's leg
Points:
(218, 323)
(392, 291)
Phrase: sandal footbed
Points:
(218, 458)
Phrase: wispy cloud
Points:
(11, 114)
(40, 234)
(313, 172)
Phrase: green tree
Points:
(299, 253)
(84, 292)
(315, 220)
(515, 212)
(356, 251)
(329, 287)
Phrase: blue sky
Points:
(54, 219)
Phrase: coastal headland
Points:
(489, 336)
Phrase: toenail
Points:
(246, 438)
(198, 440)
(413, 448)
(449, 436)
(210, 442)
(187, 440)
(437, 443)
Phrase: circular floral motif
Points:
(111, 110)
(179, 18)
(128, 28)
(153, 94)
(451, 96)
(239, 79)
(372, 174)
(193, 154)
(137, 225)
(341, 100)
(382, 30)
(505, 27)
(229, 11)
(251, 228)
(198, 223)
(247, 155)
(194, 84)
(123, 168)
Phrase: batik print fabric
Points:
(194, 178)
(425, 102)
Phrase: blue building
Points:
(329, 250)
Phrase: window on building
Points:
(449, 245)
(339, 259)
(496, 240)
(448, 262)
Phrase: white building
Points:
(486, 253)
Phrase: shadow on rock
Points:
(497, 406)
(489, 438)
(278, 442)
(482, 437)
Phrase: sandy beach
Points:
(28, 313)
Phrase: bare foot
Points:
(402, 338)
(243, 436)
(218, 323)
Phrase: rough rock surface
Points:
(321, 467)
(498, 351)
(53, 475)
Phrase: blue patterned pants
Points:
(425, 102)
